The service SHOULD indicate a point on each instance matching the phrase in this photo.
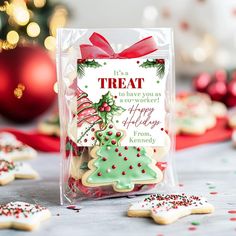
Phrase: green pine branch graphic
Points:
(82, 64)
(159, 64)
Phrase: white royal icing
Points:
(33, 213)
(166, 206)
(25, 150)
(19, 169)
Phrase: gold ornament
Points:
(5, 45)
(18, 91)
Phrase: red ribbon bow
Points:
(101, 48)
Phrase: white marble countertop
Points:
(201, 170)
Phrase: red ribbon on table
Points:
(101, 48)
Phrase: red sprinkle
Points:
(143, 171)
(123, 173)
(126, 148)
(109, 133)
(113, 167)
(131, 167)
(125, 158)
(113, 142)
(116, 150)
(139, 164)
(71, 207)
(99, 174)
(213, 193)
(110, 126)
(118, 134)
(233, 219)
(138, 155)
(192, 228)
(138, 149)
(104, 158)
(120, 154)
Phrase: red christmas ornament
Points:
(231, 96)
(220, 75)
(201, 82)
(27, 77)
(217, 90)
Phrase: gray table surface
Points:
(199, 169)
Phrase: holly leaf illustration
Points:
(159, 64)
(107, 108)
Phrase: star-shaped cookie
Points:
(22, 215)
(13, 149)
(167, 208)
(10, 171)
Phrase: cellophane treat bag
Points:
(116, 92)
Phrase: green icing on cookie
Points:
(122, 167)
(109, 136)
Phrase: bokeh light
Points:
(39, 3)
(33, 29)
(13, 37)
(50, 43)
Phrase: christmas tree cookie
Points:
(86, 121)
(121, 167)
(109, 136)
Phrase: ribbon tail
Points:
(139, 49)
(92, 52)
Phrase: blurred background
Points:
(205, 47)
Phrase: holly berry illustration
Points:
(160, 61)
(107, 108)
(159, 64)
(104, 107)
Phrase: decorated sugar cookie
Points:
(22, 215)
(218, 109)
(10, 171)
(50, 126)
(194, 125)
(121, 167)
(79, 164)
(196, 104)
(86, 121)
(109, 136)
(167, 208)
(13, 149)
(85, 135)
(196, 113)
